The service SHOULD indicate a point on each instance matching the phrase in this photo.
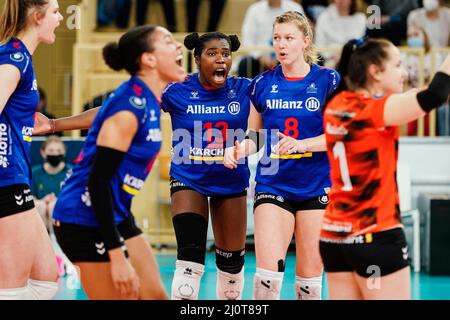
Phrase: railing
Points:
(92, 77)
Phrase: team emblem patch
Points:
(17, 57)
(324, 199)
(138, 103)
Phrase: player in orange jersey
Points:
(363, 245)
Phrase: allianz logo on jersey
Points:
(312, 104)
(4, 143)
(154, 135)
(234, 108)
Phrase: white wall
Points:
(429, 161)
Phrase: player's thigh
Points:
(274, 228)
(229, 222)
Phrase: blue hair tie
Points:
(361, 41)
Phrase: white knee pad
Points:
(308, 288)
(267, 284)
(42, 290)
(186, 280)
(14, 294)
(229, 286)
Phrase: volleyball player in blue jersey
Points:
(93, 221)
(293, 175)
(208, 109)
(28, 268)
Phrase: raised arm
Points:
(403, 108)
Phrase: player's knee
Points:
(230, 274)
(308, 288)
(191, 232)
(230, 261)
(186, 280)
(267, 284)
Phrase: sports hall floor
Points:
(424, 286)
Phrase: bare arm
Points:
(403, 108)
(255, 123)
(80, 121)
(9, 79)
(115, 137)
(247, 147)
(288, 145)
(83, 120)
(316, 144)
(117, 132)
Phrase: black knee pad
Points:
(230, 261)
(191, 231)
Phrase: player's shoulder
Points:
(129, 95)
(264, 76)
(345, 100)
(326, 71)
(13, 52)
(238, 82)
(188, 83)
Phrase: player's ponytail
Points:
(197, 43)
(127, 53)
(14, 16)
(235, 44)
(356, 57)
(191, 41)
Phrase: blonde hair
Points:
(14, 17)
(311, 54)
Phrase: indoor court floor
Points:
(424, 286)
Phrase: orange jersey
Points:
(363, 159)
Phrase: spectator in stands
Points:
(48, 177)
(120, 10)
(94, 103)
(257, 32)
(109, 11)
(417, 38)
(215, 12)
(42, 107)
(393, 19)
(434, 18)
(314, 8)
(339, 23)
(169, 13)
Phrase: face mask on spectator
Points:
(54, 161)
(430, 5)
(415, 42)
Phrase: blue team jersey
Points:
(295, 108)
(202, 122)
(74, 204)
(17, 118)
